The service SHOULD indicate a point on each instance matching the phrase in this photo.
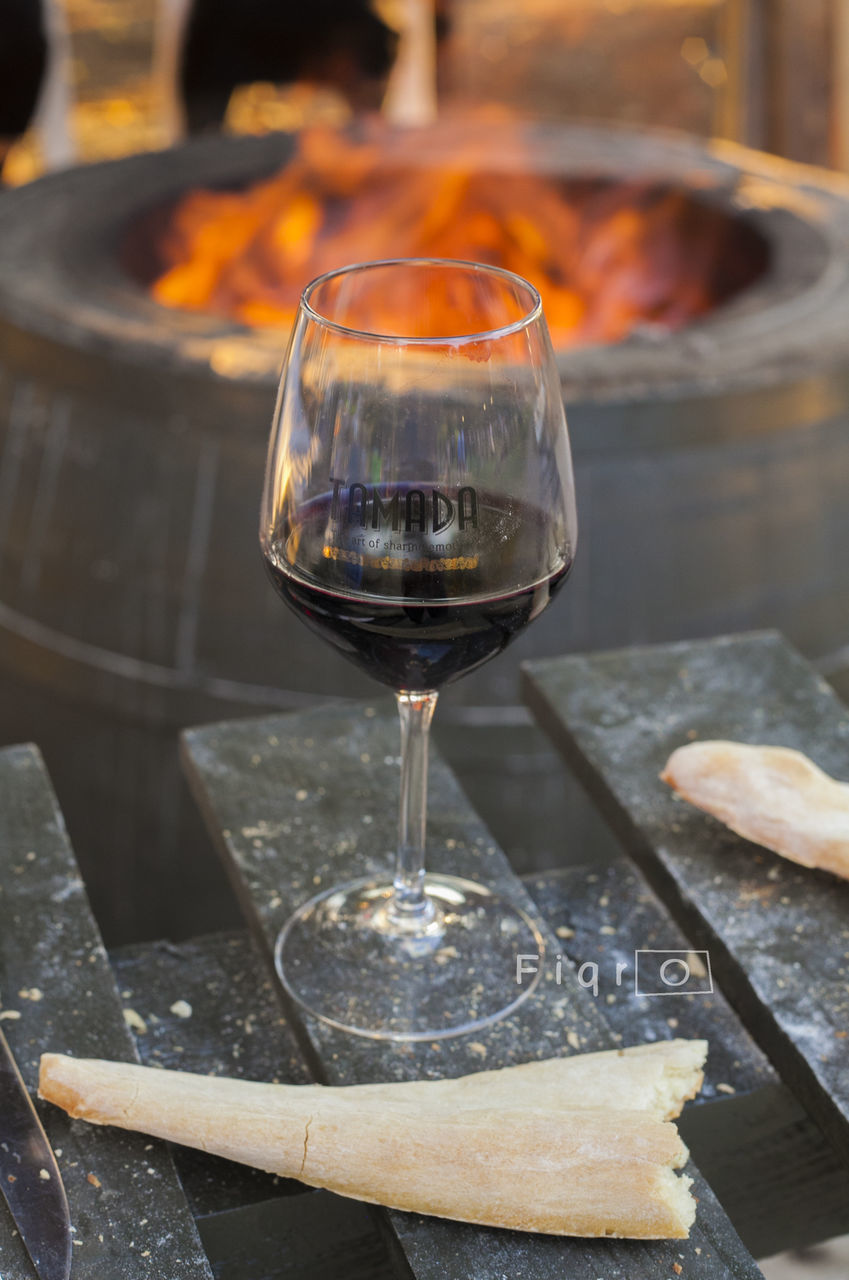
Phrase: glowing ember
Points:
(606, 256)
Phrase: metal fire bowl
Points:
(63, 243)
(686, 444)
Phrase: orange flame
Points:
(605, 255)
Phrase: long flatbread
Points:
(774, 796)
(539, 1147)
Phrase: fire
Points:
(607, 256)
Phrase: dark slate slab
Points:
(299, 802)
(778, 934)
(780, 1181)
(600, 917)
(129, 1216)
(327, 1238)
(207, 1005)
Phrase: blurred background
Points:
(769, 73)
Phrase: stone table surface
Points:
(777, 933)
(297, 803)
(130, 1218)
(139, 1208)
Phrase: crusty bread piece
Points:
(774, 796)
(541, 1156)
(658, 1078)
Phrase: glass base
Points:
(348, 959)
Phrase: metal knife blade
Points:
(30, 1178)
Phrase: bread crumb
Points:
(677, 1268)
(31, 993)
(44, 1174)
(573, 1039)
(181, 1009)
(565, 932)
(725, 1088)
(135, 1021)
(94, 1180)
(478, 1048)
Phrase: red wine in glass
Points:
(361, 605)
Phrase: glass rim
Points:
(533, 313)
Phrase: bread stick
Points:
(547, 1152)
(774, 796)
(658, 1078)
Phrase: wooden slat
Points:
(778, 934)
(299, 802)
(129, 1214)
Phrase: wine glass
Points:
(418, 513)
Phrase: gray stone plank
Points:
(600, 917)
(780, 1181)
(319, 1236)
(128, 1212)
(778, 934)
(299, 802)
(751, 1141)
(207, 1005)
(781, 1184)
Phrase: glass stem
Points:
(410, 907)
